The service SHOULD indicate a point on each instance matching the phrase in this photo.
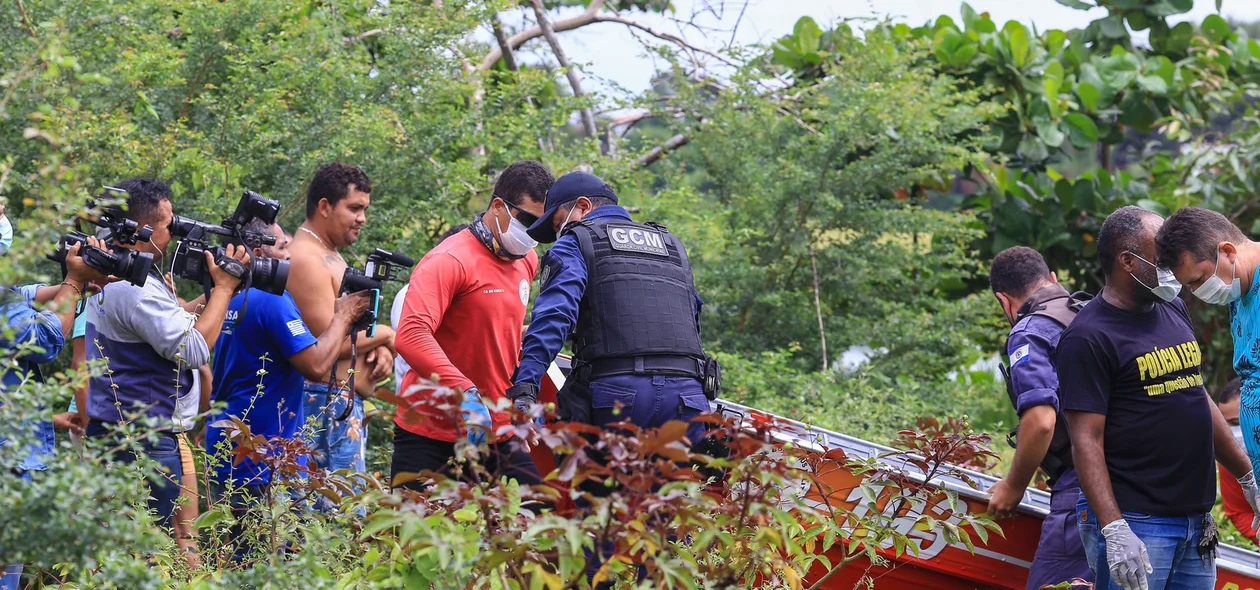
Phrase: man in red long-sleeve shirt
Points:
(1236, 506)
(461, 323)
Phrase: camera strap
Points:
(332, 379)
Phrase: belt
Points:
(682, 366)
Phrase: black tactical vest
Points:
(639, 299)
(1054, 302)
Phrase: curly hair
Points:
(521, 179)
(332, 182)
(1017, 270)
(144, 195)
(1122, 231)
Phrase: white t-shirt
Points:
(188, 404)
(395, 317)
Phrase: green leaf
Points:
(969, 16)
(1138, 21)
(1077, 4)
(1113, 27)
(1125, 4)
(1050, 133)
(1054, 80)
(1032, 148)
(1082, 129)
(1153, 84)
(1166, 8)
(807, 35)
(1215, 28)
(1118, 71)
(1089, 96)
(1018, 39)
(1083, 195)
(1253, 48)
(1055, 40)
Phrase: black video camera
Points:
(382, 265)
(189, 262)
(128, 265)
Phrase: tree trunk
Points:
(822, 331)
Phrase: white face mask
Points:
(1214, 290)
(566, 219)
(1167, 287)
(515, 240)
(1238, 435)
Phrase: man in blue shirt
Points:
(264, 352)
(1038, 309)
(625, 294)
(35, 338)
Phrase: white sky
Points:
(611, 56)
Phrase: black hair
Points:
(450, 232)
(332, 181)
(524, 178)
(1017, 271)
(597, 202)
(144, 195)
(1121, 232)
(1196, 231)
(1230, 393)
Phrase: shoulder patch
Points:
(634, 238)
(1019, 354)
(550, 268)
(296, 327)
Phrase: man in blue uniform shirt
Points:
(1038, 309)
(624, 292)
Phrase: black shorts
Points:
(414, 454)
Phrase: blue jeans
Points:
(338, 444)
(649, 401)
(164, 491)
(1171, 543)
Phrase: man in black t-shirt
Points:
(1143, 428)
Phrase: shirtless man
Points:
(336, 209)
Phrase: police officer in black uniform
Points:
(624, 293)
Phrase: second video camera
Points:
(128, 265)
(382, 265)
(268, 274)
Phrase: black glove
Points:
(524, 396)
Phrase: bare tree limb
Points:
(822, 331)
(348, 41)
(575, 79)
(504, 48)
(26, 20)
(534, 32)
(662, 150)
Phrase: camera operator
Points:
(46, 332)
(337, 200)
(264, 331)
(151, 344)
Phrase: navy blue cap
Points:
(566, 190)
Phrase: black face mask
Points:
(479, 229)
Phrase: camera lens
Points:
(133, 267)
(269, 274)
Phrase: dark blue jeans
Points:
(1171, 543)
(1060, 555)
(164, 491)
(649, 401)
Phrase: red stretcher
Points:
(1002, 562)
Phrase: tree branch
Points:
(26, 20)
(662, 150)
(504, 48)
(575, 79)
(534, 32)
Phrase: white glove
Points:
(1252, 494)
(1126, 556)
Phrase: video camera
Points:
(382, 265)
(128, 265)
(189, 262)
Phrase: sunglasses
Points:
(523, 216)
